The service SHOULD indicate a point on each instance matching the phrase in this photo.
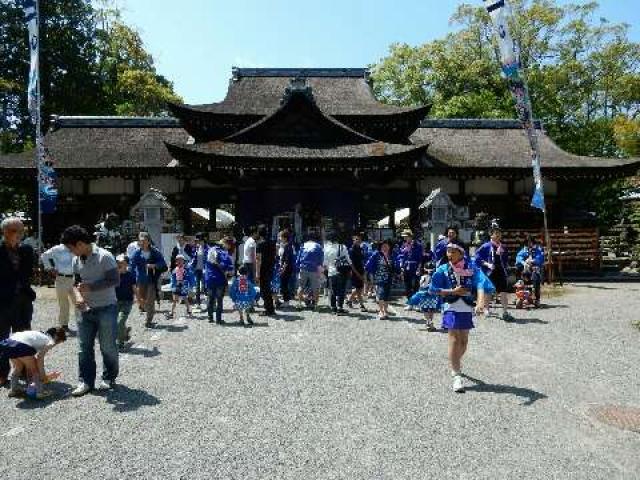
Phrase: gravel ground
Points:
(311, 396)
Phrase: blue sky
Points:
(196, 42)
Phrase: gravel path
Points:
(321, 397)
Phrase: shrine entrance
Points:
(301, 211)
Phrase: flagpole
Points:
(509, 58)
(535, 151)
(39, 144)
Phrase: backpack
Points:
(342, 263)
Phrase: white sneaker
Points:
(408, 308)
(104, 385)
(81, 389)
(458, 384)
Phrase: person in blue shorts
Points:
(462, 287)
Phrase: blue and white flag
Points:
(508, 54)
(47, 182)
(510, 64)
(31, 16)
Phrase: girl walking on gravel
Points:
(462, 287)
(380, 266)
(243, 294)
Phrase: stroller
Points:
(524, 295)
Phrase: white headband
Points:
(455, 246)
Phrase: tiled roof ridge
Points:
(92, 121)
(300, 72)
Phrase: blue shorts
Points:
(457, 320)
(14, 349)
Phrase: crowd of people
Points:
(104, 289)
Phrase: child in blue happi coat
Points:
(243, 293)
(462, 287)
(427, 302)
(182, 281)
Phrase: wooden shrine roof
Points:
(123, 144)
(247, 152)
(494, 144)
(338, 91)
(112, 142)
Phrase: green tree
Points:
(627, 134)
(583, 72)
(90, 64)
(130, 83)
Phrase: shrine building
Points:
(309, 148)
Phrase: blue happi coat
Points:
(535, 252)
(487, 254)
(444, 279)
(243, 293)
(215, 273)
(188, 282)
(410, 258)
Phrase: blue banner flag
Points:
(510, 64)
(48, 185)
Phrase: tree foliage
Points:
(583, 73)
(91, 64)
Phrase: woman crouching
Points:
(463, 287)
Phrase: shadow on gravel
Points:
(416, 321)
(596, 287)
(530, 396)
(72, 333)
(59, 391)
(525, 320)
(144, 352)
(125, 399)
(363, 316)
(546, 306)
(170, 328)
(229, 324)
(290, 318)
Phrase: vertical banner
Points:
(47, 183)
(47, 191)
(31, 17)
(511, 68)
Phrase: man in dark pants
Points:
(266, 252)
(287, 265)
(16, 294)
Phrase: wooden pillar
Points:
(414, 203)
(211, 225)
(392, 218)
(33, 213)
(186, 208)
(462, 188)
(362, 218)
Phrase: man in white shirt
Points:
(249, 254)
(59, 260)
(338, 265)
